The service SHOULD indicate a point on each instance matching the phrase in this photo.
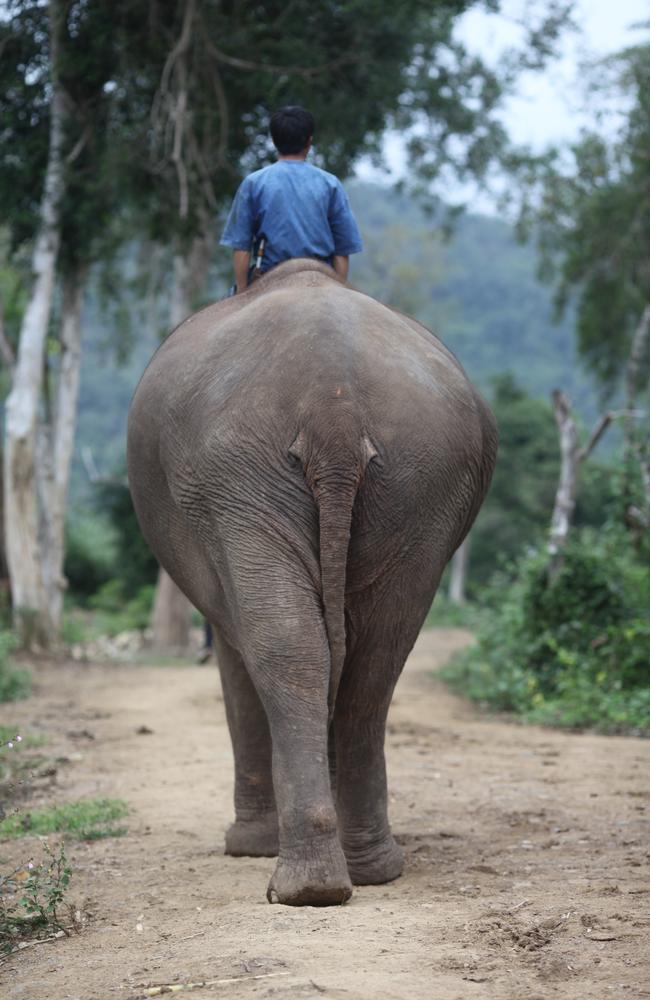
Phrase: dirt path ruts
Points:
(527, 855)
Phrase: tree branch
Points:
(78, 147)
(599, 429)
(306, 71)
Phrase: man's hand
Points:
(241, 261)
(341, 266)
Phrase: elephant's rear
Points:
(304, 462)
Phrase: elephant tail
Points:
(335, 492)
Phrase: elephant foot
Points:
(376, 865)
(253, 838)
(319, 880)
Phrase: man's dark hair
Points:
(291, 129)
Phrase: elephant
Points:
(304, 461)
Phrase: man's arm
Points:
(341, 266)
(344, 229)
(241, 261)
(238, 234)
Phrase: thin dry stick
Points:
(32, 944)
(156, 991)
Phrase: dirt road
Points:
(527, 873)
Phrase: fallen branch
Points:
(156, 991)
(32, 944)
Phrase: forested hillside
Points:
(478, 291)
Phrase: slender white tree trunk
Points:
(31, 616)
(571, 458)
(458, 581)
(57, 443)
(172, 612)
(565, 496)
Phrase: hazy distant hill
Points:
(478, 292)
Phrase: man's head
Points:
(292, 128)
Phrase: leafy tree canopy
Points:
(589, 207)
(169, 99)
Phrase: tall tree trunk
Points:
(57, 443)
(172, 612)
(458, 581)
(31, 613)
(571, 458)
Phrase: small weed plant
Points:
(571, 652)
(16, 760)
(33, 899)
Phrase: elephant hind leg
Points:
(288, 661)
(382, 642)
(372, 855)
(255, 830)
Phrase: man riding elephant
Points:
(291, 208)
(304, 461)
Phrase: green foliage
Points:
(125, 67)
(115, 613)
(445, 614)
(88, 819)
(15, 758)
(107, 613)
(572, 652)
(31, 899)
(517, 509)
(589, 207)
(12, 294)
(134, 564)
(89, 554)
(15, 682)
(26, 741)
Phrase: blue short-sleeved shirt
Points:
(302, 210)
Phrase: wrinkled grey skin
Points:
(304, 461)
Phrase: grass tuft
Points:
(15, 683)
(88, 819)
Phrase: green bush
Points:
(15, 683)
(572, 652)
(134, 564)
(114, 612)
(90, 546)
